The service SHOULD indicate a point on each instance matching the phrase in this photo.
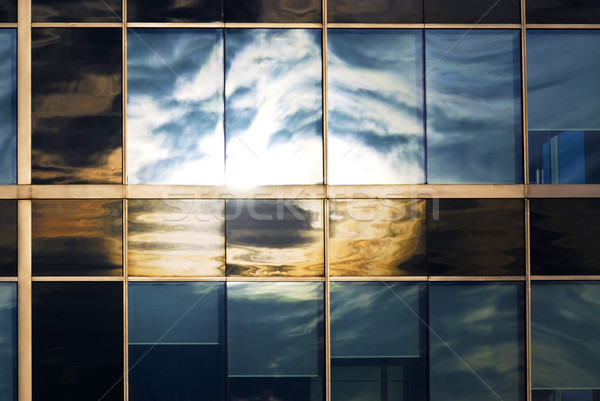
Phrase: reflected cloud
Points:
(273, 11)
(8, 106)
(8, 340)
(79, 11)
(175, 10)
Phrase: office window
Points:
(473, 11)
(380, 11)
(8, 341)
(76, 11)
(562, 12)
(8, 237)
(272, 11)
(174, 10)
(8, 106)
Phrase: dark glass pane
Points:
(563, 11)
(482, 237)
(477, 341)
(176, 343)
(76, 11)
(272, 10)
(565, 341)
(274, 238)
(563, 98)
(176, 238)
(473, 93)
(389, 11)
(8, 341)
(8, 11)
(473, 11)
(175, 106)
(8, 106)
(564, 236)
(378, 341)
(273, 106)
(76, 106)
(275, 341)
(371, 237)
(375, 106)
(77, 341)
(8, 238)
(77, 237)
(174, 10)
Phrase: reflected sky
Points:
(8, 341)
(76, 11)
(563, 94)
(174, 10)
(375, 11)
(473, 92)
(482, 323)
(175, 106)
(375, 106)
(176, 238)
(369, 237)
(272, 11)
(8, 237)
(274, 106)
(565, 341)
(8, 106)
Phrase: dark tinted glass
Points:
(273, 10)
(564, 236)
(378, 341)
(76, 106)
(8, 11)
(389, 11)
(563, 11)
(176, 343)
(8, 341)
(473, 92)
(565, 341)
(8, 237)
(77, 341)
(477, 341)
(174, 10)
(76, 11)
(77, 237)
(473, 11)
(275, 341)
(8, 106)
(482, 237)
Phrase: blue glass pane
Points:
(375, 106)
(8, 341)
(175, 106)
(273, 106)
(473, 92)
(477, 341)
(8, 106)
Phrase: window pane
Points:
(8, 238)
(77, 341)
(175, 106)
(477, 341)
(563, 12)
(76, 106)
(274, 238)
(174, 10)
(563, 98)
(77, 237)
(176, 346)
(375, 106)
(473, 93)
(76, 11)
(8, 106)
(275, 341)
(375, 11)
(8, 11)
(482, 237)
(8, 341)
(473, 11)
(378, 341)
(176, 238)
(272, 11)
(370, 237)
(565, 340)
(273, 106)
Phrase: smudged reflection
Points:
(8, 106)
(175, 10)
(176, 238)
(473, 11)
(8, 341)
(8, 237)
(76, 11)
(377, 237)
(273, 11)
(375, 11)
(77, 237)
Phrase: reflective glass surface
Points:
(176, 344)
(563, 101)
(370, 237)
(375, 106)
(272, 10)
(76, 11)
(8, 341)
(378, 341)
(176, 237)
(473, 11)
(77, 341)
(563, 12)
(565, 341)
(8, 106)
(8, 11)
(275, 341)
(473, 92)
(8, 238)
(174, 10)
(175, 106)
(274, 237)
(273, 106)
(476, 341)
(389, 11)
(564, 236)
(76, 106)
(481, 237)
(77, 237)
